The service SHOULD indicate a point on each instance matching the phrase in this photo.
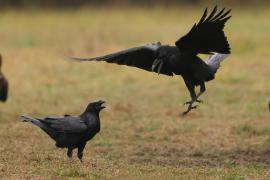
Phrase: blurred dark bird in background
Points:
(71, 131)
(205, 37)
(3, 84)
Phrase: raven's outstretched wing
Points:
(141, 57)
(66, 124)
(207, 36)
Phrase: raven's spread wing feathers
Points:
(68, 124)
(207, 35)
(3, 89)
(141, 57)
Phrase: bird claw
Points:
(188, 102)
(192, 101)
(189, 109)
(199, 101)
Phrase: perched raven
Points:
(71, 131)
(3, 84)
(205, 37)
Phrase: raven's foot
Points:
(199, 101)
(69, 153)
(190, 107)
(80, 155)
(192, 101)
(188, 102)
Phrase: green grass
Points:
(142, 135)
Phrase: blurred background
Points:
(79, 3)
(142, 134)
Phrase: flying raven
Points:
(3, 84)
(205, 37)
(71, 131)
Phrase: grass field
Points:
(142, 135)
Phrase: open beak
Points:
(101, 104)
(157, 63)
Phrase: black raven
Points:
(3, 84)
(205, 37)
(71, 131)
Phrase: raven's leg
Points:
(191, 89)
(80, 151)
(69, 153)
(202, 90)
(190, 107)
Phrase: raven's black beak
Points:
(101, 104)
(157, 63)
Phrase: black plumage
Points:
(205, 37)
(3, 84)
(71, 131)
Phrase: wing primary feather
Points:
(226, 19)
(90, 59)
(203, 17)
(224, 15)
(212, 14)
(217, 15)
(77, 59)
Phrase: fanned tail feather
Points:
(215, 60)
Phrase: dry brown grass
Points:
(142, 135)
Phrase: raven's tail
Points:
(215, 60)
(38, 123)
(32, 120)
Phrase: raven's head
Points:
(96, 106)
